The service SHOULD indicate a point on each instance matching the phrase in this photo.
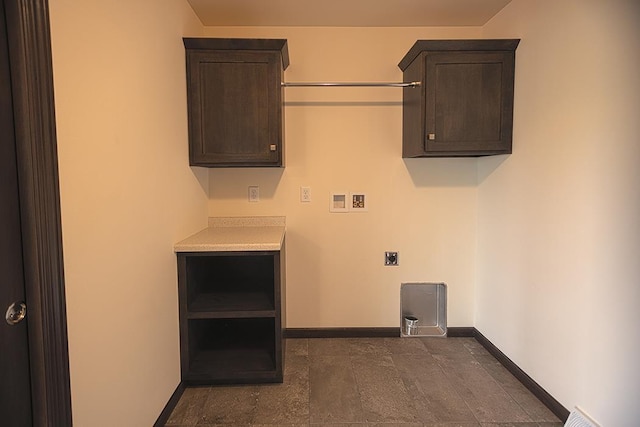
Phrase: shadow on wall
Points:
(443, 172)
(202, 176)
(227, 183)
(487, 165)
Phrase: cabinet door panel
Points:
(235, 102)
(466, 95)
(235, 108)
(467, 102)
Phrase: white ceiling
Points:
(346, 13)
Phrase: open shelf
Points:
(232, 365)
(225, 302)
(230, 282)
(232, 349)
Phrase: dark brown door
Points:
(15, 390)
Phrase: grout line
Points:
(357, 384)
(306, 341)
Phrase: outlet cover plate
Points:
(254, 193)
(305, 194)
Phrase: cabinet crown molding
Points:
(457, 45)
(210, 43)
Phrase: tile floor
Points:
(353, 382)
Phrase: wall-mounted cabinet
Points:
(464, 105)
(234, 97)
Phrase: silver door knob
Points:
(16, 312)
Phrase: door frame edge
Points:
(36, 148)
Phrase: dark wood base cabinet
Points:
(231, 317)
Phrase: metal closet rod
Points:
(348, 84)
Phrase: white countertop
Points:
(236, 234)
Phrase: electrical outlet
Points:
(391, 258)
(305, 194)
(254, 193)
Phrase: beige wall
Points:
(558, 220)
(539, 248)
(127, 196)
(346, 139)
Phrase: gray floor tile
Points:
(227, 405)
(469, 424)
(434, 398)
(367, 382)
(279, 425)
(531, 405)
(482, 394)
(329, 347)
(383, 394)
(509, 425)
(405, 346)
(296, 371)
(453, 348)
(281, 404)
(475, 348)
(333, 394)
(189, 409)
(395, 424)
(286, 403)
(367, 346)
(249, 425)
(297, 347)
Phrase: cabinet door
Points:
(235, 109)
(469, 103)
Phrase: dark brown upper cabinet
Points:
(235, 101)
(464, 104)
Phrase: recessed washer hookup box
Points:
(423, 310)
